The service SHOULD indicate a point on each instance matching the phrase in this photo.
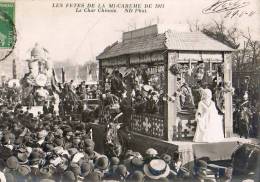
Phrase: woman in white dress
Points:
(209, 122)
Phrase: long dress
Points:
(209, 123)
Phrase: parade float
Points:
(39, 84)
(180, 64)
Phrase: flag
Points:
(54, 82)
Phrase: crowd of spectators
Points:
(48, 147)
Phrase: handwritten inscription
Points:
(231, 8)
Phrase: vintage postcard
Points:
(129, 90)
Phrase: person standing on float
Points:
(209, 122)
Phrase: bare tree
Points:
(254, 48)
(219, 31)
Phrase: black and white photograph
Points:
(129, 90)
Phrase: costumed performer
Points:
(209, 122)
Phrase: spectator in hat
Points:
(12, 163)
(75, 168)
(244, 121)
(114, 162)
(58, 142)
(94, 176)
(24, 172)
(129, 155)
(122, 173)
(167, 158)
(5, 152)
(136, 164)
(156, 169)
(22, 157)
(137, 176)
(93, 155)
(150, 154)
(12, 166)
(86, 169)
(102, 165)
(89, 144)
(68, 176)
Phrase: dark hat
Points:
(58, 133)
(45, 172)
(75, 168)
(70, 133)
(137, 176)
(67, 129)
(5, 139)
(35, 156)
(69, 176)
(48, 116)
(86, 168)
(102, 162)
(121, 170)
(24, 170)
(18, 141)
(12, 162)
(5, 152)
(58, 141)
(80, 126)
(167, 158)
(95, 176)
(114, 160)
(49, 147)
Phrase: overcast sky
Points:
(82, 36)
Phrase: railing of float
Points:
(186, 126)
(148, 124)
(154, 125)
